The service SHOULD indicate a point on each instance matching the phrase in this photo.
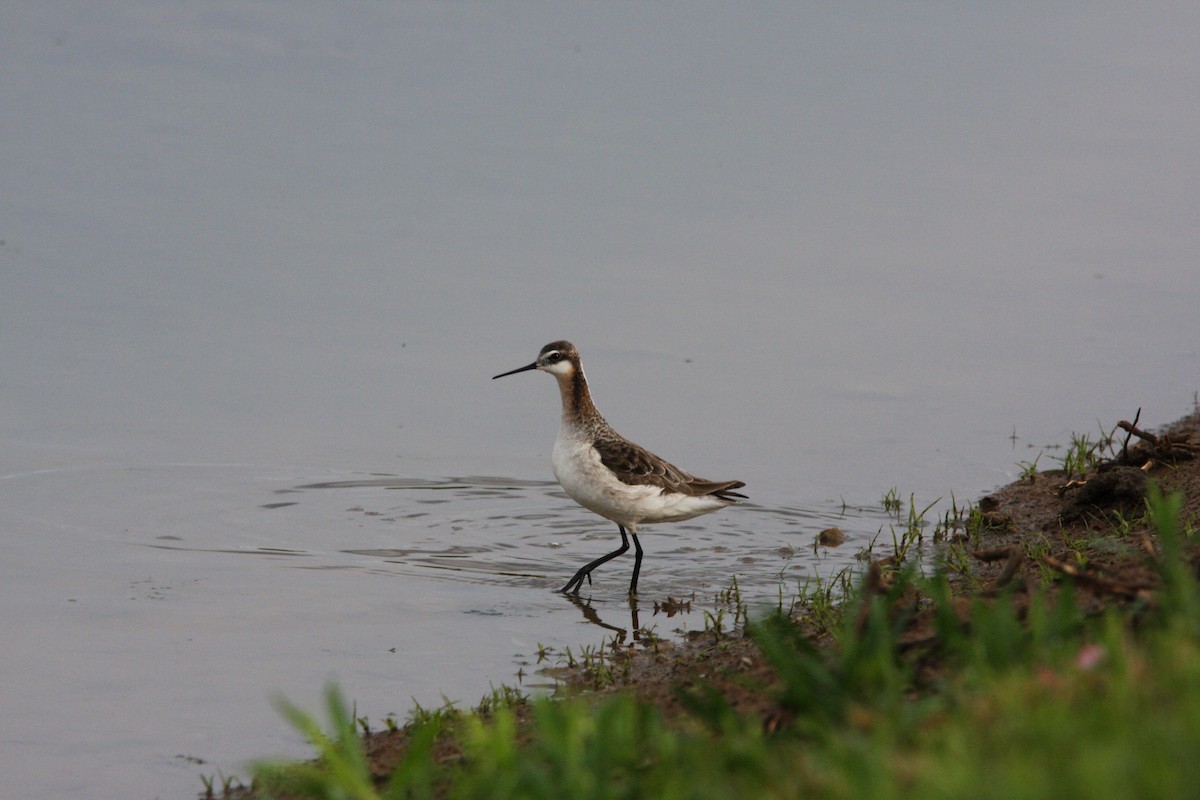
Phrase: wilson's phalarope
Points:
(606, 473)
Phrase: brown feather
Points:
(633, 465)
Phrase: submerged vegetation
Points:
(1045, 666)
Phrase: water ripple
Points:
(507, 531)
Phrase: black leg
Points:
(637, 565)
(576, 583)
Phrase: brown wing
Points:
(633, 465)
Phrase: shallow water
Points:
(258, 265)
(157, 608)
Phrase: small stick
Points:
(1128, 431)
(1134, 430)
(1014, 557)
(1097, 581)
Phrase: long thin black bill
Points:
(525, 368)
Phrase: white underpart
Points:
(559, 368)
(587, 481)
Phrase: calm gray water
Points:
(258, 264)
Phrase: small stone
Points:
(831, 537)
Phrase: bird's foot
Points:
(576, 583)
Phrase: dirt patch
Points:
(1092, 527)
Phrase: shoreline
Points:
(1083, 527)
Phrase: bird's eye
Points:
(552, 357)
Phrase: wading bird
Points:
(606, 473)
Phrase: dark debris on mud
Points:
(1092, 528)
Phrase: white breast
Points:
(587, 481)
